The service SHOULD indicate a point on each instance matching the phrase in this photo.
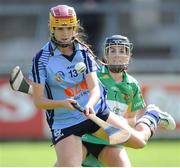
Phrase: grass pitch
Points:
(156, 154)
(40, 154)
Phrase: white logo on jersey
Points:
(114, 88)
(58, 134)
(117, 107)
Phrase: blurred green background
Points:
(40, 154)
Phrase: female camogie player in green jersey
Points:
(124, 96)
(117, 60)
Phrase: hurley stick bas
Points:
(114, 135)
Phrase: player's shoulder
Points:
(130, 78)
(132, 81)
(83, 48)
(80, 46)
(44, 53)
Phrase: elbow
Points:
(141, 145)
(136, 144)
(38, 104)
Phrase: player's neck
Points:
(118, 77)
(67, 50)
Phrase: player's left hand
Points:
(89, 109)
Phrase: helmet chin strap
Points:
(117, 68)
(60, 44)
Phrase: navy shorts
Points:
(93, 149)
(80, 129)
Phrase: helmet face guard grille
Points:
(117, 68)
(60, 44)
(117, 53)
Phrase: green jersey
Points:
(121, 97)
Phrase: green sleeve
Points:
(138, 100)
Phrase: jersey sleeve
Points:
(38, 72)
(91, 63)
(138, 100)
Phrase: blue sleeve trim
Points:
(35, 69)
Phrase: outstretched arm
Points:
(19, 83)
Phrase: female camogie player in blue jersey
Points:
(57, 84)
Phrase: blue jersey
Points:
(62, 81)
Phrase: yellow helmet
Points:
(62, 16)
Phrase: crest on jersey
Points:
(126, 96)
(105, 77)
(59, 77)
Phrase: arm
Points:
(42, 102)
(131, 117)
(93, 86)
(19, 83)
(136, 103)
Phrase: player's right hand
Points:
(67, 103)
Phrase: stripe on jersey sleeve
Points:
(49, 112)
(35, 70)
(85, 59)
(37, 67)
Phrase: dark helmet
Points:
(117, 40)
